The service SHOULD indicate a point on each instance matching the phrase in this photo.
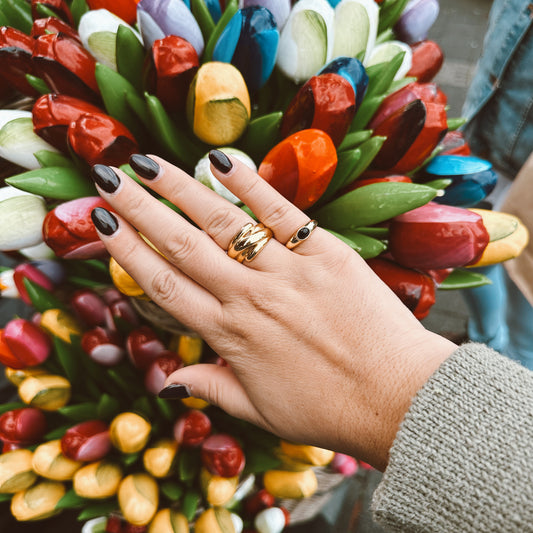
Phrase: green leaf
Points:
(72, 501)
(61, 183)
(396, 85)
(130, 57)
(389, 14)
(108, 407)
(165, 408)
(203, 17)
(456, 123)
(354, 139)
(261, 135)
(380, 76)
(260, 460)
(188, 465)
(143, 406)
(367, 247)
(137, 104)
(57, 433)
(5, 407)
(5, 497)
(78, 8)
(374, 231)
(190, 504)
(40, 298)
(38, 83)
(80, 412)
(129, 459)
(172, 490)
(366, 112)
(101, 508)
(231, 9)
(439, 184)
(47, 158)
(69, 360)
(369, 149)
(346, 162)
(44, 12)
(18, 13)
(462, 278)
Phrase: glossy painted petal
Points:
(301, 166)
(138, 497)
(222, 455)
(384, 52)
(426, 61)
(280, 9)
(217, 490)
(97, 480)
(437, 236)
(158, 371)
(16, 472)
(49, 462)
(169, 521)
(287, 484)
(22, 425)
(27, 342)
(144, 347)
(356, 27)
(89, 307)
(8, 289)
(103, 346)
(326, 102)
(59, 7)
(98, 33)
(37, 502)
(88, 441)
(43, 26)
(129, 432)
(159, 18)
(256, 502)
(351, 69)
(454, 143)
(125, 9)
(344, 464)
(250, 42)
(270, 520)
(192, 428)
(306, 42)
(124, 282)
(416, 20)
(47, 392)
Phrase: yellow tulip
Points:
(214, 520)
(195, 403)
(16, 472)
(49, 462)
(47, 392)
(129, 432)
(218, 104)
(217, 490)
(97, 480)
(37, 502)
(169, 521)
(294, 485)
(138, 497)
(309, 455)
(188, 348)
(124, 282)
(18, 376)
(508, 237)
(159, 459)
(60, 324)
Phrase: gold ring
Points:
(250, 240)
(301, 234)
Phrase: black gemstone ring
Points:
(301, 234)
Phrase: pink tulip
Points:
(102, 346)
(26, 270)
(28, 343)
(143, 347)
(26, 425)
(158, 371)
(222, 455)
(192, 428)
(88, 441)
(344, 464)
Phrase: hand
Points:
(320, 351)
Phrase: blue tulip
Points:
(472, 179)
(353, 71)
(250, 43)
(279, 8)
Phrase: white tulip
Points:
(7, 115)
(385, 52)
(238, 524)
(39, 251)
(271, 520)
(8, 289)
(96, 525)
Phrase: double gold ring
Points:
(250, 240)
(301, 234)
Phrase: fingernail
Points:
(220, 161)
(144, 166)
(175, 391)
(105, 178)
(104, 221)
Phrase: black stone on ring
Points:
(301, 234)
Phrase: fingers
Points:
(163, 283)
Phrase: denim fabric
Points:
(499, 103)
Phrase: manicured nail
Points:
(220, 161)
(144, 166)
(175, 391)
(104, 221)
(105, 178)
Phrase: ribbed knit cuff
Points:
(462, 460)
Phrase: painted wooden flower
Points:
(59, 7)
(385, 52)
(250, 42)
(16, 473)
(97, 480)
(47, 392)
(44, 26)
(87, 441)
(427, 60)
(37, 502)
(416, 20)
(454, 143)
(125, 9)
(280, 9)
(222, 455)
(138, 497)
(27, 342)
(26, 425)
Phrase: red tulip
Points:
(169, 70)
(301, 166)
(158, 371)
(59, 7)
(16, 59)
(69, 230)
(89, 307)
(427, 61)
(143, 347)
(454, 143)
(7, 357)
(414, 121)
(66, 66)
(53, 25)
(29, 344)
(222, 455)
(100, 139)
(437, 236)
(102, 346)
(122, 310)
(88, 441)
(192, 428)
(344, 464)
(125, 9)
(258, 501)
(415, 290)
(31, 272)
(53, 113)
(326, 102)
(26, 425)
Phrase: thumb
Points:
(215, 384)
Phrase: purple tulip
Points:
(416, 20)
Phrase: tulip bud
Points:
(258, 501)
(28, 343)
(97, 480)
(238, 523)
(44, 26)
(129, 432)
(138, 497)
(192, 428)
(87, 441)
(60, 324)
(8, 288)
(159, 459)
(416, 20)
(301, 166)
(217, 490)
(426, 62)
(280, 9)
(143, 347)
(195, 403)
(89, 307)
(49, 462)
(37, 502)
(102, 346)
(307, 454)
(454, 143)
(189, 348)
(169, 521)
(22, 425)
(95, 525)
(125, 9)
(344, 464)
(158, 371)
(34, 274)
(222, 455)
(59, 7)
(16, 472)
(270, 520)
(123, 281)
(214, 520)
(218, 104)
(17, 376)
(285, 484)
(69, 231)
(122, 311)
(7, 357)
(47, 392)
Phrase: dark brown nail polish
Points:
(175, 391)
(144, 166)
(105, 178)
(220, 161)
(104, 221)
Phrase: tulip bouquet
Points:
(331, 102)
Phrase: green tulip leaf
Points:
(190, 504)
(5, 407)
(456, 123)
(94, 510)
(38, 83)
(381, 75)
(374, 231)
(354, 139)
(47, 158)
(80, 412)
(171, 490)
(462, 278)
(108, 407)
(390, 12)
(439, 184)
(231, 9)
(130, 57)
(366, 112)
(41, 298)
(44, 12)
(262, 134)
(396, 85)
(18, 14)
(203, 17)
(366, 246)
(369, 149)
(346, 163)
(57, 433)
(71, 501)
(188, 465)
(260, 460)
(69, 360)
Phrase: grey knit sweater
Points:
(463, 459)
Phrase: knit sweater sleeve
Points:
(463, 457)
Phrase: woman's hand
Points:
(320, 351)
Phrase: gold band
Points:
(301, 234)
(250, 240)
